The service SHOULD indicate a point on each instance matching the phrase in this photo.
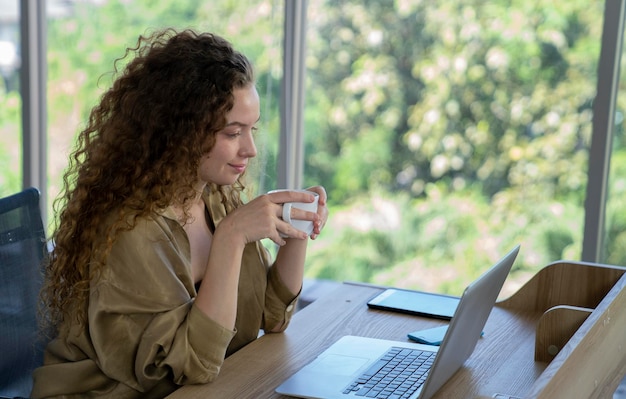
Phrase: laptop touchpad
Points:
(339, 364)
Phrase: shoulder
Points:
(154, 229)
(152, 260)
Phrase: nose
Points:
(248, 148)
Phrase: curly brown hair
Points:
(140, 153)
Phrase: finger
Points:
(317, 228)
(282, 196)
(321, 191)
(322, 215)
(319, 224)
(301, 214)
(286, 230)
(278, 240)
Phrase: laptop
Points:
(337, 373)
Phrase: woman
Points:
(157, 272)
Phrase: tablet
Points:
(431, 336)
(416, 303)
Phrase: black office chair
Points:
(22, 251)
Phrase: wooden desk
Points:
(590, 364)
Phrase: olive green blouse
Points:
(144, 336)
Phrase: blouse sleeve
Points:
(143, 321)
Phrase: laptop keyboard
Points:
(396, 375)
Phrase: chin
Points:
(225, 182)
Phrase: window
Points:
(446, 133)
(84, 39)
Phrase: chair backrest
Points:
(22, 251)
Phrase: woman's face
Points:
(234, 145)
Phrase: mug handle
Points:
(287, 212)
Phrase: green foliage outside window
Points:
(473, 119)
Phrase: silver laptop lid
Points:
(467, 323)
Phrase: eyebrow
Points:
(236, 123)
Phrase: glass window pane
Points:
(10, 101)
(447, 132)
(84, 39)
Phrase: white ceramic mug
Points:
(304, 225)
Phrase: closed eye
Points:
(236, 130)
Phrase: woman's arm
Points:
(260, 218)
(217, 296)
(291, 257)
(290, 263)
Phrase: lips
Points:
(240, 168)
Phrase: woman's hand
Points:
(262, 217)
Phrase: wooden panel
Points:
(555, 328)
(593, 362)
(565, 283)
